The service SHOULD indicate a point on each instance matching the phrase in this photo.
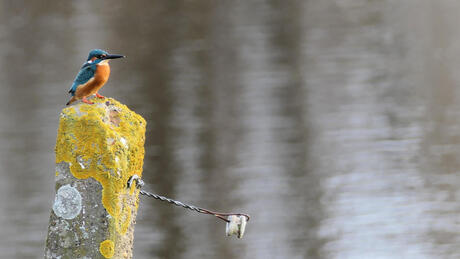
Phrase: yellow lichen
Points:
(105, 142)
(107, 248)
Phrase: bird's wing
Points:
(85, 74)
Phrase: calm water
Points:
(335, 124)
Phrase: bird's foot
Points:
(86, 101)
(99, 96)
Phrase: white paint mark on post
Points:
(67, 204)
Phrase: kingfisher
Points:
(92, 76)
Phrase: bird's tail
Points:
(71, 100)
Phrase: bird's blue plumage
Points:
(85, 74)
(96, 52)
(87, 70)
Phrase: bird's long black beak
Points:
(113, 56)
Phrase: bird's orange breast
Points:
(101, 75)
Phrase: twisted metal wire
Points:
(220, 215)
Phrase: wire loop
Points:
(220, 215)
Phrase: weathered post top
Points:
(98, 148)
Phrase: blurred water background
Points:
(335, 124)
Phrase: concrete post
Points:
(98, 148)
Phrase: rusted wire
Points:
(220, 215)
